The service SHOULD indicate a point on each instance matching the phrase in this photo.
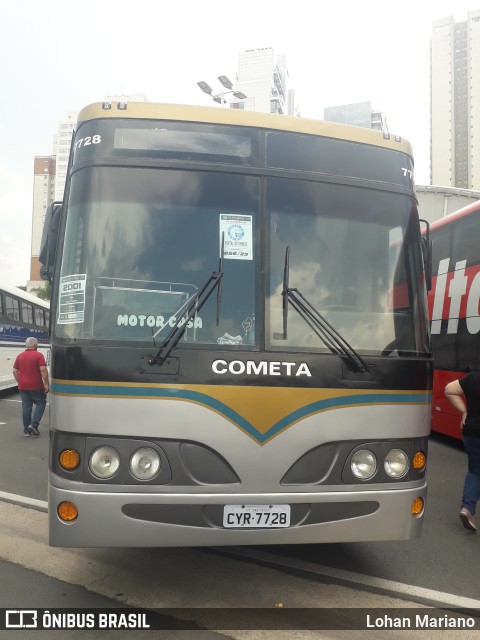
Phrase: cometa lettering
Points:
(263, 368)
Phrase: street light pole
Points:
(220, 97)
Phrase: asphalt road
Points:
(23, 461)
(445, 558)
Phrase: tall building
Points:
(359, 114)
(262, 76)
(49, 177)
(61, 149)
(43, 195)
(48, 185)
(455, 102)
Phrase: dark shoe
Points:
(27, 433)
(34, 431)
(467, 519)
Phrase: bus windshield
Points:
(140, 243)
(351, 256)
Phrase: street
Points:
(440, 569)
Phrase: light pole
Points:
(219, 97)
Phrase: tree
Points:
(45, 292)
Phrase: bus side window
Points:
(12, 308)
(465, 241)
(27, 313)
(39, 317)
(440, 247)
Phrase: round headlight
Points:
(145, 463)
(104, 462)
(364, 464)
(396, 463)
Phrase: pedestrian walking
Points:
(464, 394)
(31, 373)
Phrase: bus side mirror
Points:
(427, 254)
(48, 243)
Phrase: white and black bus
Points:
(22, 316)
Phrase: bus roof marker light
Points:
(106, 106)
(122, 106)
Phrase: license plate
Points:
(258, 516)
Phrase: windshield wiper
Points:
(191, 308)
(321, 327)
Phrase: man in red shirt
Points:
(31, 373)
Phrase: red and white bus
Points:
(453, 304)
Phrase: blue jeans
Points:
(37, 397)
(471, 489)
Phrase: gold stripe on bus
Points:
(262, 407)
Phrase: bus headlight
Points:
(396, 463)
(104, 462)
(145, 463)
(363, 464)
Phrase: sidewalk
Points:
(169, 578)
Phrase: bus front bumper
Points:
(113, 519)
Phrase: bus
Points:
(454, 308)
(240, 340)
(22, 316)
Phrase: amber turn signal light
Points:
(69, 459)
(67, 511)
(417, 507)
(419, 460)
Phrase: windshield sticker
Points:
(228, 339)
(248, 324)
(144, 320)
(238, 237)
(71, 303)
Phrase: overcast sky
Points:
(58, 56)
